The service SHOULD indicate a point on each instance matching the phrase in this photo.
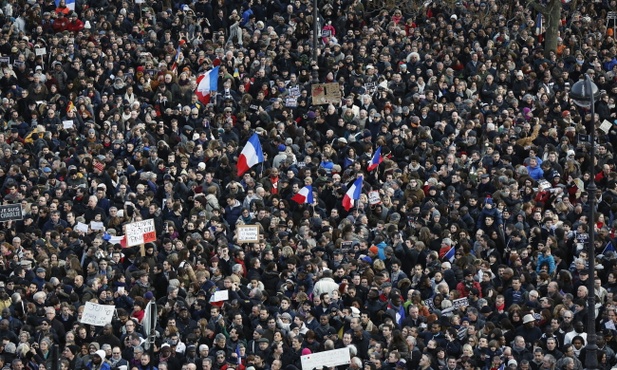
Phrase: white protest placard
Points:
(140, 232)
(67, 124)
(140, 1)
(331, 358)
(291, 102)
(248, 233)
(461, 302)
(373, 197)
(220, 295)
(81, 227)
(96, 225)
(606, 126)
(97, 314)
(40, 51)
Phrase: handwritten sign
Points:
(331, 358)
(11, 212)
(68, 124)
(373, 197)
(97, 314)
(140, 232)
(40, 51)
(248, 233)
(329, 93)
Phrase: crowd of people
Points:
(468, 247)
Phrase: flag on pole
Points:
(609, 248)
(251, 155)
(304, 196)
(174, 66)
(376, 160)
(353, 194)
(539, 24)
(207, 84)
(450, 254)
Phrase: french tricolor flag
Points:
(450, 254)
(304, 196)
(69, 4)
(376, 160)
(206, 84)
(353, 194)
(251, 155)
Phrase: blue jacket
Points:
(535, 173)
(546, 259)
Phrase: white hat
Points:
(528, 318)
(100, 353)
(512, 363)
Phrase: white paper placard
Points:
(220, 295)
(94, 225)
(40, 51)
(606, 126)
(67, 124)
(81, 227)
(248, 233)
(97, 314)
(140, 232)
(373, 197)
(331, 358)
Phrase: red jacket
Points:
(60, 24)
(75, 26)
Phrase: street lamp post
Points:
(584, 93)
(314, 70)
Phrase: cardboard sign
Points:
(373, 197)
(11, 212)
(140, 232)
(248, 233)
(332, 358)
(329, 93)
(97, 314)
